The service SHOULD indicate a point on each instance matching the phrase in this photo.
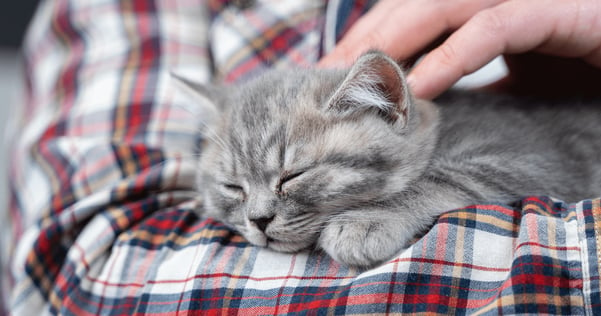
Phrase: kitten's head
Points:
(292, 150)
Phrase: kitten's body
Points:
(511, 147)
(349, 162)
(493, 148)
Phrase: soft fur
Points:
(349, 162)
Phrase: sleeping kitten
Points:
(349, 162)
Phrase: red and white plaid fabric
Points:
(101, 184)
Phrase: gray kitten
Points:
(349, 162)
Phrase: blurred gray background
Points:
(14, 18)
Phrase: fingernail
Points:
(411, 81)
(414, 87)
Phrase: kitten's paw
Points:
(361, 244)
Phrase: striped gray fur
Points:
(348, 162)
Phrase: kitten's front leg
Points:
(365, 242)
(370, 237)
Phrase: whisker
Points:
(212, 135)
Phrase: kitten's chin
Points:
(278, 245)
(258, 239)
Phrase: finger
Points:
(577, 32)
(345, 51)
(400, 29)
(506, 28)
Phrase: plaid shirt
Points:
(101, 215)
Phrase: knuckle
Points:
(374, 40)
(490, 21)
(350, 51)
(446, 54)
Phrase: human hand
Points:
(481, 30)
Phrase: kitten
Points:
(349, 162)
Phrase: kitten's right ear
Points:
(376, 83)
(207, 97)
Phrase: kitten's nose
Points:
(262, 222)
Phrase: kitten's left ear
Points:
(206, 96)
(375, 82)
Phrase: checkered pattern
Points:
(101, 220)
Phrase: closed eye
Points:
(287, 176)
(233, 187)
(233, 190)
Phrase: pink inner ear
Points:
(392, 84)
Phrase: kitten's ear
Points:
(376, 82)
(206, 97)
